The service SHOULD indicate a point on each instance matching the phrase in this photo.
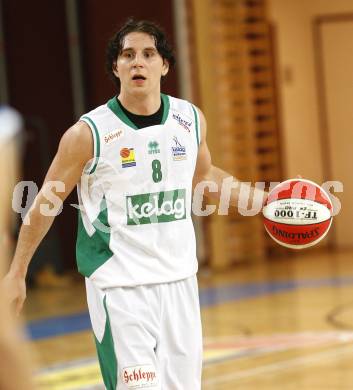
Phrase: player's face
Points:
(139, 66)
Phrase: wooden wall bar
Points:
(236, 81)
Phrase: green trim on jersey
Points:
(106, 354)
(197, 127)
(93, 251)
(115, 107)
(96, 142)
(166, 105)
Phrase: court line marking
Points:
(84, 373)
(341, 335)
(67, 365)
(65, 380)
(246, 347)
(211, 296)
(281, 366)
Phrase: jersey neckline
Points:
(115, 107)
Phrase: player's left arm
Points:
(206, 171)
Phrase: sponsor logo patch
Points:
(153, 147)
(113, 136)
(165, 206)
(182, 122)
(178, 150)
(127, 157)
(139, 377)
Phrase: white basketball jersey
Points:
(135, 222)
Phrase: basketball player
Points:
(134, 160)
(14, 366)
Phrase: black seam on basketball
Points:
(291, 224)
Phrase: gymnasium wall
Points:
(298, 88)
(98, 24)
(315, 59)
(37, 57)
(39, 87)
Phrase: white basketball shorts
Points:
(148, 337)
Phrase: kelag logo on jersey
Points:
(165, 206)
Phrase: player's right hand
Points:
(13, 289)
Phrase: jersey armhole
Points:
(96, 145)
(197, 124)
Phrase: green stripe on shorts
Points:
(106, 355)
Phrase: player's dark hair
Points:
(116, 43)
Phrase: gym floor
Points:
(281, 324)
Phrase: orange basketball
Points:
(297, 213)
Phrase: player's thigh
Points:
(125, 331)
(181, 340)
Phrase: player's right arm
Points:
(75, 150)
